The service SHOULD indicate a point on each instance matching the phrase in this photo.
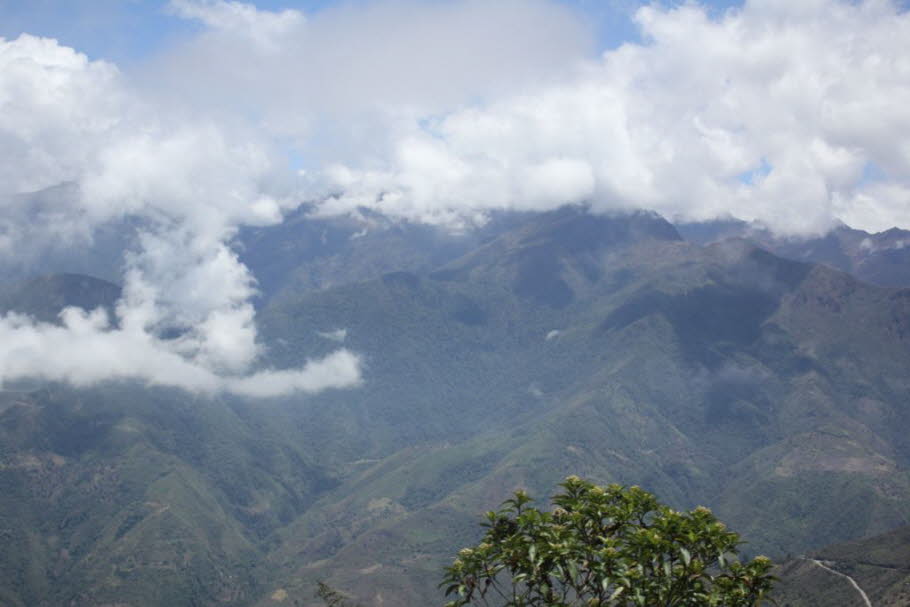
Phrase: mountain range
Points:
(764, 378)
(881, 258)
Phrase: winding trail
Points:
(844, 575)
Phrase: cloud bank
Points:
(791, 114)
(795, 115)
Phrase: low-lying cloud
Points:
(85, 349)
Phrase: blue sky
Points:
(124, 31)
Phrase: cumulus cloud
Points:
(56, 104)
(771, 113)
(186, 181)
(791, 114)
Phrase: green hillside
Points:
(720, 375)
(129, 495)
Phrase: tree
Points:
(331, 597)
(605, 546)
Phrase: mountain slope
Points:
(878, 566)
(770, 389)
(44, 297)
(129, 495)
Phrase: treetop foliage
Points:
(605, 546)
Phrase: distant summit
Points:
(881, 259)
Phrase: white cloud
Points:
(434, 111)
(339, 368)
(336, 81)
(770, 112)
(56, 104)
(85, 350)
(265, 28)
(338, 335)
(187, 181)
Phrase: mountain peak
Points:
(577, 229)
(554, 255)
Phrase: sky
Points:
(194, 118)
(134, 29)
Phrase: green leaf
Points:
(686, 556)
